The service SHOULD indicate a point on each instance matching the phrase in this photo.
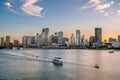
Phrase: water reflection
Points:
(78, 65)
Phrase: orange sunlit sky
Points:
(27, 17)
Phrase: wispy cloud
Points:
(91, 3)
(102, 6)
(98, 5)
(29, 8)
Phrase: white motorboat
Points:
(57, 61)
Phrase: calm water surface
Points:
(78, 65)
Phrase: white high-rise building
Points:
(77, 37)
(60, 38)
(72, 39)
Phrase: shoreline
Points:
(62, 49)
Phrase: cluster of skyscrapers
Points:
(57, 39)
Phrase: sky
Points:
(28, 17)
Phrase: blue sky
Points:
(28, 17)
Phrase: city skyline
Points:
(27, 17)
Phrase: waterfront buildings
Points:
(43, 40)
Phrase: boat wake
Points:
(30, 57)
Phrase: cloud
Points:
(91, 3)
(99, 5)
(8, 4)
(102, 6)
(118, 13)
(29, 8)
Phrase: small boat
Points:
(96, 66)
(37, 57)
(111, 51)
(57, 61)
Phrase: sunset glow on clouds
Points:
(29, 8)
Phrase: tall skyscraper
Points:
(77, 37)
(60, 38)
(8, 42)
(2, 41)
(98, 35)
(118, 38)
(72, 39)
(45, 33)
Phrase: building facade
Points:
(77, 37)
(118, 38)
(91, 40)
(45, 35)
(112, 40)
(98, 37)
(16, 43)
(72, 39)
(60, 38)
(2, 41)
(8, 42)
